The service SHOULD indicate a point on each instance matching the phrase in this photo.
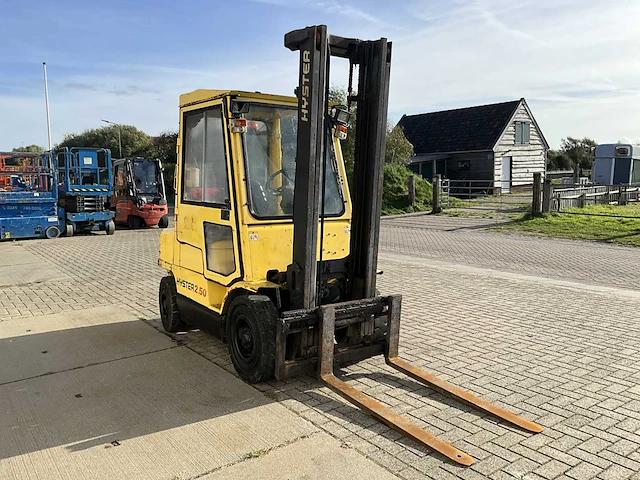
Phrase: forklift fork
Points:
(384, 413)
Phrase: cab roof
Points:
(204, 95)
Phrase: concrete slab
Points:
(20, 267)
(34, 346)
(12, 253)
(319, 457)
(163, 415)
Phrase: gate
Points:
(500, 196)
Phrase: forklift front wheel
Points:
(163, 222)
(251, 333)
(68, 232)
(134, 222)
(111, 227)
(168, 298)
(52, 232)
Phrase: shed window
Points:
(523, 133)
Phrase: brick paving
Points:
(466, 241)
(563, 354)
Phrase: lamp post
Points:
(119, 138)
(46, 101)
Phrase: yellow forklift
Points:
(271, 249)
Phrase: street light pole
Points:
(119, 138)
(46, 102)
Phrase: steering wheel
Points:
(277, 191)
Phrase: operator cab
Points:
(139, 197)
(234, 202)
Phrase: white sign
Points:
(88, 160)
(52, 219)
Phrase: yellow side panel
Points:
(196, 287)
(165, 254)
(191, 257)
(271, 246)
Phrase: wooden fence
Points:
(559, 198)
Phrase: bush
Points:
(395, 190)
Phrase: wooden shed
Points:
(500, 143)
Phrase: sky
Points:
(127, 62)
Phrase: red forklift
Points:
(139, 197)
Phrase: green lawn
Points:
(604, 223)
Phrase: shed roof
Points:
(460, 130)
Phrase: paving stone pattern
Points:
(468, 241)
(567, 358)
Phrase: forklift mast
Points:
(362, 307)
(373, 59)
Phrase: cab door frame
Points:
(196, 211)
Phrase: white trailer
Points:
(616, 164)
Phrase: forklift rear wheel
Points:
(52, 232)
(169, 313)
(251, 333)
(134, 222)
(68, 231)
(164, 222)
(111, 227)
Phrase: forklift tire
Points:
(52, 232)
(163, 222)
(168, 299)
(134, 222)
(111, 227)
(68, 231)
(251, 333)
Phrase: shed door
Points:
(506, 175)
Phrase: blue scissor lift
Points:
(28, 197)
(85, 186)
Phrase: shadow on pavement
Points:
(76, 393)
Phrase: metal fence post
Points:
(437, 190)
(547, 192)
(622, 200)
(536, 207)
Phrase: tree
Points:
(578, 151)
(399, 149)
(557, 160)
(29, 149)
(164, 147)
(396, 174)
(134, 142)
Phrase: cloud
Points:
(133, 90)
(563, 63)
(133, 96)
(79, 86)
(577, 67)
(333, 7)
